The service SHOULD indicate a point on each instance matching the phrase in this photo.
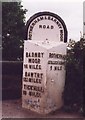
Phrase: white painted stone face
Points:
(42, 29)
(43, 75)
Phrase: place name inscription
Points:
(34, 60)
(33, 79)
(55, 62)
(46, 26)
(56, 65)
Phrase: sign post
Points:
(44, 63)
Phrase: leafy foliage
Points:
(73, 94)
(13, 27)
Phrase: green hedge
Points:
(12, 68)
(11, 79)
(73, 92)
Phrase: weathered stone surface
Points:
(43, 75)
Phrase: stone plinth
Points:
(43, 75)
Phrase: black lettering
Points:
(35, 94)
(32, 54)
(52, 27)
(40, 67)
(52, 18)
(44, 26)
(33, 24)
(25, 87)
(25, 74)
(35, 21)
(45, 17)
(35, 74)
(38, 54)
(38, 19)
(34, 66)
(25, 66)
(30, 93)
(26, 54)
(41, 75)
(31, 74)
(30, 36)
(41, 18)
(39, 81)
(38, 94)
(61, 31)
(31, 28)
(28, 73)
(54, 55)
(29, 60)
(30, 80)
(25, 79)
(57, 68)
(49, 55)
(29, 55)
(35, 54)
(60, 68)
(38, 61)
(59, 25)
(40, 26)
(50, 67)
(56, 62)
(48, 17)
(30, 67)
(48, 26)
(30, 32)
(42, 54)
(34, 61)
(24, 92)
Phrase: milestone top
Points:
(46, 26)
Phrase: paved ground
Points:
(13, 109)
